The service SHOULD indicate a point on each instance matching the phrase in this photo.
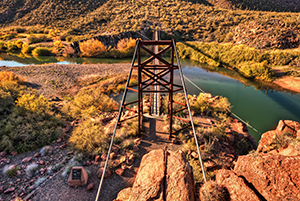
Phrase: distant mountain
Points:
(205, 20)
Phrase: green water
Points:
(260, 104)
(262, 108)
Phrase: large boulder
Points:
(180, 181)
(275, 177)
(236, 186)
(162, 176)
(149, 181)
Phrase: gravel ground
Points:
(52, 80)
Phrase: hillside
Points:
(210, 20)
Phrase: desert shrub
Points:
(36, 38)
(281, 141)
(11, 47)
(30, 124)
(126, 43)
(201, 104)
(11, 85)
(41, 51)
(89, 104)
(5, 100)
(58, 47)
(243, 146)
(27, 49)
(30, 169)
(179, 97)
(89, 137)
(10, 170)
(258, 71)
(18, 43)
(10, 76)
(129, 129)
(15, 89)
(211, 191)
(2, 46)
(92, 48)
(32, 103)
(53, 33)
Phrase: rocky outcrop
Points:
(276, 139)
(272, 170)
(270, 173)
(236, 186)
(275, 177)
(162, 176)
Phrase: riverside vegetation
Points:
(225, 34)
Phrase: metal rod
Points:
(189, 108)
(118, 119)
(185, 120)
(179, 103)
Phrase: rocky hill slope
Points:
(212, 20)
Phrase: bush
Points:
(31, 124)
(27, 49)
(18, 43)
(41, 51)
(89, 137)
(15, 89)
(10, 170)
(11, 47)
(2, 46)
(92, 48)
(5, 100)
(211, 191)
(126, 43)
(10, 76)
(89, 104)
(32, 103)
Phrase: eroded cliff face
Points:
(271, 172)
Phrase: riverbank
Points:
(285, 81)
(55, 79)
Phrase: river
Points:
(256, 103)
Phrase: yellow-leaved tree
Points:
(92, 48)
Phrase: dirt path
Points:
(57, 187)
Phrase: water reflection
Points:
(10, 59)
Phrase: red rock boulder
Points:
(160, 172)
(236, 186)
(180, 180)
(275, 177)
(149, 181)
